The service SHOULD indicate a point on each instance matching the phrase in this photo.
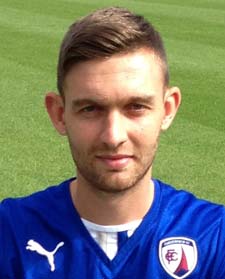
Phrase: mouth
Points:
(116, 161)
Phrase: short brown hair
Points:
(104, 33)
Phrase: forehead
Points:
(138, 72)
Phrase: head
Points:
(105, 33)
(114, 98)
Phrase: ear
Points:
(172, 100)
(55, 108)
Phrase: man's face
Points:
(113, 113)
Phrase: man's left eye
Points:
(136, 107)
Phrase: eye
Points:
(136, 107)
(89, 109)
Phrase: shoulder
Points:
(187, 205)
(173, 194)
(11, 208)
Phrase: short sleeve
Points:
(2, 240)
(7, 251)
(219, 264)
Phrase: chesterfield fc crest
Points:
(178, 256)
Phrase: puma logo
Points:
(32, 245)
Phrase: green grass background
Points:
(191, 153)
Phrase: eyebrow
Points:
(146, 99)
(85, 101)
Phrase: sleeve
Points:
(2, 242)
(219, 266)
(7, 257)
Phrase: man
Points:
(112, 221)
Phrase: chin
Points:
(116, 183)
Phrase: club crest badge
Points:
(178, 256)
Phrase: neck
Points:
(112, 208)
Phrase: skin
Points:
(113, 112)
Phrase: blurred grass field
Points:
(192, 152)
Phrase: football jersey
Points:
(43, 236)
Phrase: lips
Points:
(116, 162)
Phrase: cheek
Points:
(149, 128)
(81, 139)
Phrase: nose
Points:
(114, 130)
